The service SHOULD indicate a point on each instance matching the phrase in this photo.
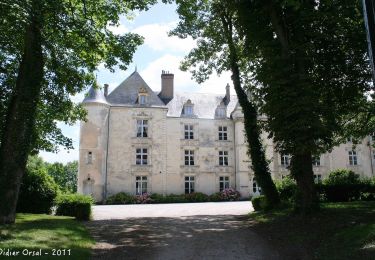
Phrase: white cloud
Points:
(182, 80)
(156, 38)
(118, 29)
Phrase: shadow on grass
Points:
(337, 231)
(46, 232)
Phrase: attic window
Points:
(188, 108)
(221, 111)
(142, 96)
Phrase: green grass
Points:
(34, 232)
(338, 231)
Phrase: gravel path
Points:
(176, 231)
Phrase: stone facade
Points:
(135, 140)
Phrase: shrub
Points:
(143, 199)
(259, 203)
(196, 197)
(230, 195)
(74, 205)
(37, 193)
(215, 197)
(171, 198)
(121, 198)
(287, 189)
(342, 177)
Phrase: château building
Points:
(136, 140)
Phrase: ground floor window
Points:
(224, 183)
(256, 188)
(189, 184)
(317, 178)
(140, 185)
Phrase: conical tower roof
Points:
(95, 95)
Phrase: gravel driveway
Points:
(177, 231)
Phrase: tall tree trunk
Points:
(301, 170)
(255, 148)
(19, 126)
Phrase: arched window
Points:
(188, 109)
(142, 96)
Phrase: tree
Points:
(51, 49)
(310, 64)
(218, 49)
(64, 175)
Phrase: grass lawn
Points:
(338, 231)
(48, 234)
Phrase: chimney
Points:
(227, 94)
(105, 90)
(166, 93)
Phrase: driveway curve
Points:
(177, 231)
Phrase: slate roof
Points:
(95, 95)
(127, 92)
(205, 104)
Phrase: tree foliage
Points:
(49, 50)
(310, 68)
(65, 175)
(219, 48)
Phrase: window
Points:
(373, 136)
(317, 178)
(349, 139)
(223, 158)
(285, 160)
(189, 184)
(188, 110)
(141, 156)
(140, 185)
(189, 132)
(189, 157)
(223, 133)
(221, 112)
(89, 158)
(223, 183)
(316, 160)
(353, 160)
(142, 128)
(142, 99)
(256, 188)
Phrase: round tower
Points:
(93, 144)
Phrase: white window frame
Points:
(189, 132)
(188, 110)
(142, 100)
(353, 158)
(223, 158)
(256, 187)
(140, 185)
(316, 161)
(189, 157)
(285, 160)
(142, 128)
(224, 183)
(221, 112)
(141, 156)
(223, 133)
(317, 178)
(189, 184)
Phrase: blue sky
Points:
(159, 52)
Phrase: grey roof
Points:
(204, 104)
(127, 92)
(95, 95)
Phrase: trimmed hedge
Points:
(123, 198)
(259, 203)
(74, 205)
(37, 193)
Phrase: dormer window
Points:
(142, 96)
(188, 108)
(221, 111)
